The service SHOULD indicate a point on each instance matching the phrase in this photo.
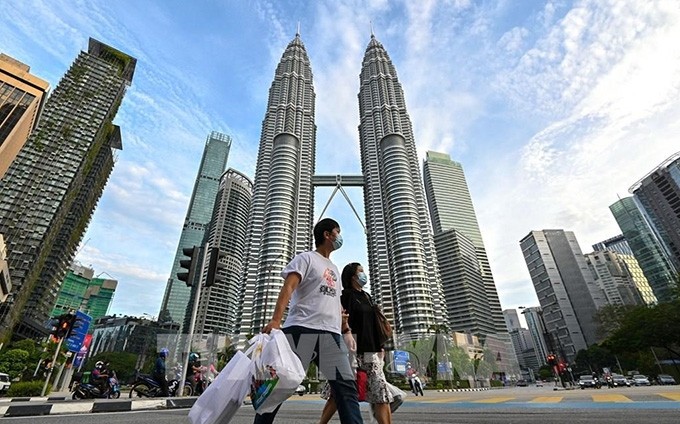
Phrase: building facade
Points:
(659, 195)
(22, 97)
(220, 303)
(177, 297)
(5, 279)
(401, 254)
(539, 334)
(139, 336)
(611, 274)
(648, 250)
(566, 290)
(282, 214)
(616, 244)
(450, 205)
(82, 291)
(50, 190)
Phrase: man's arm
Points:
(289, 286)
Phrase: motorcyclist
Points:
(100, 377)
(159, 372)
(197, 369)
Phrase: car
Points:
(539, 383)
(4, 382)
(521, 383)
(641, 380)
(620, 381)
(301, 390)
(588, 380)
(664, 379)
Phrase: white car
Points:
(4, 382)
(641, 380)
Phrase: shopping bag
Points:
(398, 395)
(221, 400)
(277, 372)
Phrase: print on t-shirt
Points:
(330, 278)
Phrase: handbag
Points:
(362, 385)
(383, 329)
(223, 398)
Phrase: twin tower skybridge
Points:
(338, 181)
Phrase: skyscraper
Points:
(611, 274)
(401, 255)
(659, 195)
(281, 219)
(617, 244)
(49, 193)
(220, 303)
(199, 214)
(566, 290)
(450, 205)
(647, 248)
(22, 96)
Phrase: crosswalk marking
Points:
(671, 396)
(443, 400)
(547, 399)
(610, 398)
(494, 400)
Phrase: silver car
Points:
(641, 380)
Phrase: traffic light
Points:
(61, 325)
(552, 360)
(214, 266)
(189, 264)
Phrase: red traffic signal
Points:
(62, 325)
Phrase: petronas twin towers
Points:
(403, 268)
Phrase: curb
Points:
(478, 389)
(33, 408)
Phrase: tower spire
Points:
(297, 32)
(372, 34)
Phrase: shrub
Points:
(27, 389)
(496, 383)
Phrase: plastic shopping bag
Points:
(398, 395)
(277, 372)
(221, 400)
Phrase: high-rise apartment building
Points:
(616, 244)
(511, 319)
(648, 250)
(219, 306)
(22, 96)
(611, 274)
(659, 195)
(401, 254)
(539, 334)
(82, 291)
(50, 190)
(282, 215)
(177, 295)
(566, 290)
(5, 280)
(450, 206)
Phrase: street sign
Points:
(401, 358)
(78, 331)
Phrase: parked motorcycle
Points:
(92, 391)
(146, 386)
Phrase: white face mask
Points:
(363, 279)
(337, 243)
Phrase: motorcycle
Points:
(146, 386)
(92, 391)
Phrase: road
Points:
(526, 405)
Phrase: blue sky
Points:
(553, 108)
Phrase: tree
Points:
(13, 362)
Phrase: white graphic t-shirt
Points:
(315, 303)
